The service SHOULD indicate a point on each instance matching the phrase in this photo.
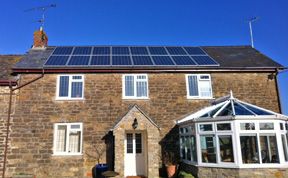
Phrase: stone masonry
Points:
(31, 137)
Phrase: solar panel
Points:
(162, 60)
(100, 60)
(79, 60)
(176, 51)
(120, 50)
(101, 50)
(194, 51)
(157, 50)
(139, 50)
(121, 60)
(183, 60)
(142, 60)
(63, 50)
(57, 60)
(82, 50)
(204, 60)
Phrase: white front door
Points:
(135, 154)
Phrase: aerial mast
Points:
(250, 21)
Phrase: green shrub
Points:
(183, 174)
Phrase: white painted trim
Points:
(198, 82)
(58, 98)
(66, 153)
(135, 89)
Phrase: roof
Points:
(229, 107)
(6, 63)
(226, 57)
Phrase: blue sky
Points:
(151, 22)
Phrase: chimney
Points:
(40, 39)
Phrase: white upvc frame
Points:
(257, 132)
(71, 80)
(135, 88)
(216, 134)
(191, 133)
(68, 125)
(199, 83)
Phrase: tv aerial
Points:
(43, 10)
(250, 21)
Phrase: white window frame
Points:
(135, 88)
(191, 133)
(71, 80)
(199, 83)
(68, 125)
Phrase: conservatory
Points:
(234, 134)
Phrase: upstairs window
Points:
(70, 87)
(135, 86)
(198, 86)
(68, 138)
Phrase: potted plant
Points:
(96, 152)
(170, 163)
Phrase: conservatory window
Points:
(281, 126)
(188, 144)
(208, 148)
(247, 126)
(206, 127)
(285, 146)
(226, 148)
(266, 126)
(223, 127)
(249, 149)
(198, 86)
(269, 151)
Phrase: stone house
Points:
(74, 106)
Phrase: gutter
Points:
(8, 83)
(11, 84)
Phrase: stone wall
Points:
(37, 110)
(4, 104)
(203, 172)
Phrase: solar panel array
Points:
(129, 56)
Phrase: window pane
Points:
(206, 127)
(266, 126)
(208, 149)
(64, 85)
(205, 89)
(74, 141)
(61, 138)
(129, 85)
(224, 126)
(193, 147)
(284, 143)
(226, 148)
(193, 86)
(269, 151)
(76, 77)
(129, 138)
(247, 126)
(188, 147)
(281, 126)
(138, 143)
(76, 89)
(141, 88)
(182, 147)
(249, 149)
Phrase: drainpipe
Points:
(9, 116)
(285, 69)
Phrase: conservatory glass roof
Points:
(230, 106)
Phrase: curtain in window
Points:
(141, 88)
(129, 85)
(74, 141)
(76, 90)
(193, 86)
(205, 90)
(64, 85)
(61, 138)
